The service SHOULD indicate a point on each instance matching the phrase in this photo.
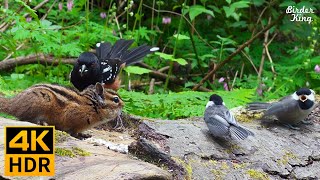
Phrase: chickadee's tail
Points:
(136, 54)
(240, 133)
(257, 106)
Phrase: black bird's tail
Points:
(136, 54)
(120, 48)
(257, 106)
(103, 50)
(240, 133)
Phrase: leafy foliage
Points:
(179, 105)
(194, 36)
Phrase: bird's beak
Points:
(303, 98)
(83, 67)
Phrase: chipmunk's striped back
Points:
(67, 109)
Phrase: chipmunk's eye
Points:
(115, 99)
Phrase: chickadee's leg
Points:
(307, 122)
(291, 127)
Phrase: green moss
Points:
(248, 116)
(73, 152)
(61, 136)
(286, 158)
(80, 151)
(187, 167)
(218, 174)
(255, 174)
(64, 152)
(8, 116)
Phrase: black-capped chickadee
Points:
(221, 122)
(290, 110)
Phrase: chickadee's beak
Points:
(303, 98)
(81, 70)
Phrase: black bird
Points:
(105, 65)
(86, 71)
(290, 110)
(221, 122)
(112, 59)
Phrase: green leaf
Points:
(136, 70)
(240, 4)
(228, 11)
(196, 10)
(181, 37)
(171, 58)
(181, 61)
(287, 3)
(17, 76)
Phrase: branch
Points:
(40, 58)
(229, 58)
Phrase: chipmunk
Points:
(67, 109)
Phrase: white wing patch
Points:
(98, 44)
(107, 69)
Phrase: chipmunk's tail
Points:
(3, 104)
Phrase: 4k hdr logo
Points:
(29, 151)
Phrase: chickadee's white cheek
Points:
(311, 97)
(295, 96)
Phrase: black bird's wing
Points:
(103, 50)
(111, 58)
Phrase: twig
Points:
(242, 69)
(229, 58)
(266, 36)
(117, 22)
(10, 54)
(250, 60)
(145, 65)
(46, 14)
(234, 79)
(151, 87)
(164, 69)
(25, 15)
(195, 30)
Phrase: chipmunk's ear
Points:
(100, 89)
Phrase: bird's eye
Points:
(115, 99)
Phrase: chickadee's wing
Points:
(230, 118)
(286, 104)
(217, 125)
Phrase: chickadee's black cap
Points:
(216, 99)
(303, 91)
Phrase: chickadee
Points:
(290, 110)
(86, 71)
(221, 122)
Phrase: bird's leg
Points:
(307, 122)
(119, 124)
(291, 127)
